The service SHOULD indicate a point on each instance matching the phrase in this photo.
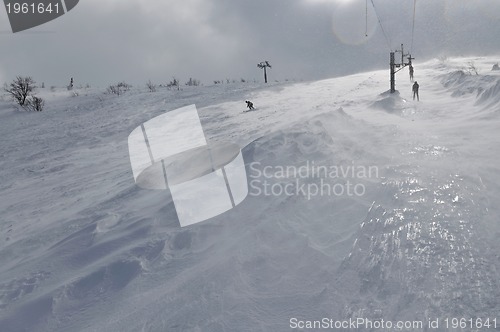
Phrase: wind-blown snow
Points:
(82, 248)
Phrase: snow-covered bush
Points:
(174, 83)
(471, 68)
(151, 86)
(118, 89)
(495, 67)
(192, 82)
(35, 104)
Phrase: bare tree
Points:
(174, 83)
(151, 86)
(20, 89)
(472, 69)
(264, 65)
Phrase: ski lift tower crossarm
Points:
(394, 65)
(264, 65)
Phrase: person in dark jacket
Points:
(249, 104)
(415, 90)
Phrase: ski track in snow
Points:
(83, 249)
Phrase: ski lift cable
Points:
(381, 26)
(366, 18)
(413, 26)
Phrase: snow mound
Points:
(393, 103)
(485, 88)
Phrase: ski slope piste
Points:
(85, 248)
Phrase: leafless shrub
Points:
(124, 86)
(118, 89)
(35, 104)
(174, 83)
(193, 82)
(20, 89)
(151, 86)
(471, 68)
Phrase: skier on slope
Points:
(415, 90)
(411, 73)
(249, 104)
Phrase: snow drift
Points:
(83, 248)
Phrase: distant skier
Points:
(415, 90)
(249, 105)
(411, 73)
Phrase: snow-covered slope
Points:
(82, 248)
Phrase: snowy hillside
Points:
(82, 248)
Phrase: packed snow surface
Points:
(82, 248)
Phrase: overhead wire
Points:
(413, 25)
(366, 18)
(381, 26)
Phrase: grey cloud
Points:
(100, 42)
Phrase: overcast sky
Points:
(106, 41)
